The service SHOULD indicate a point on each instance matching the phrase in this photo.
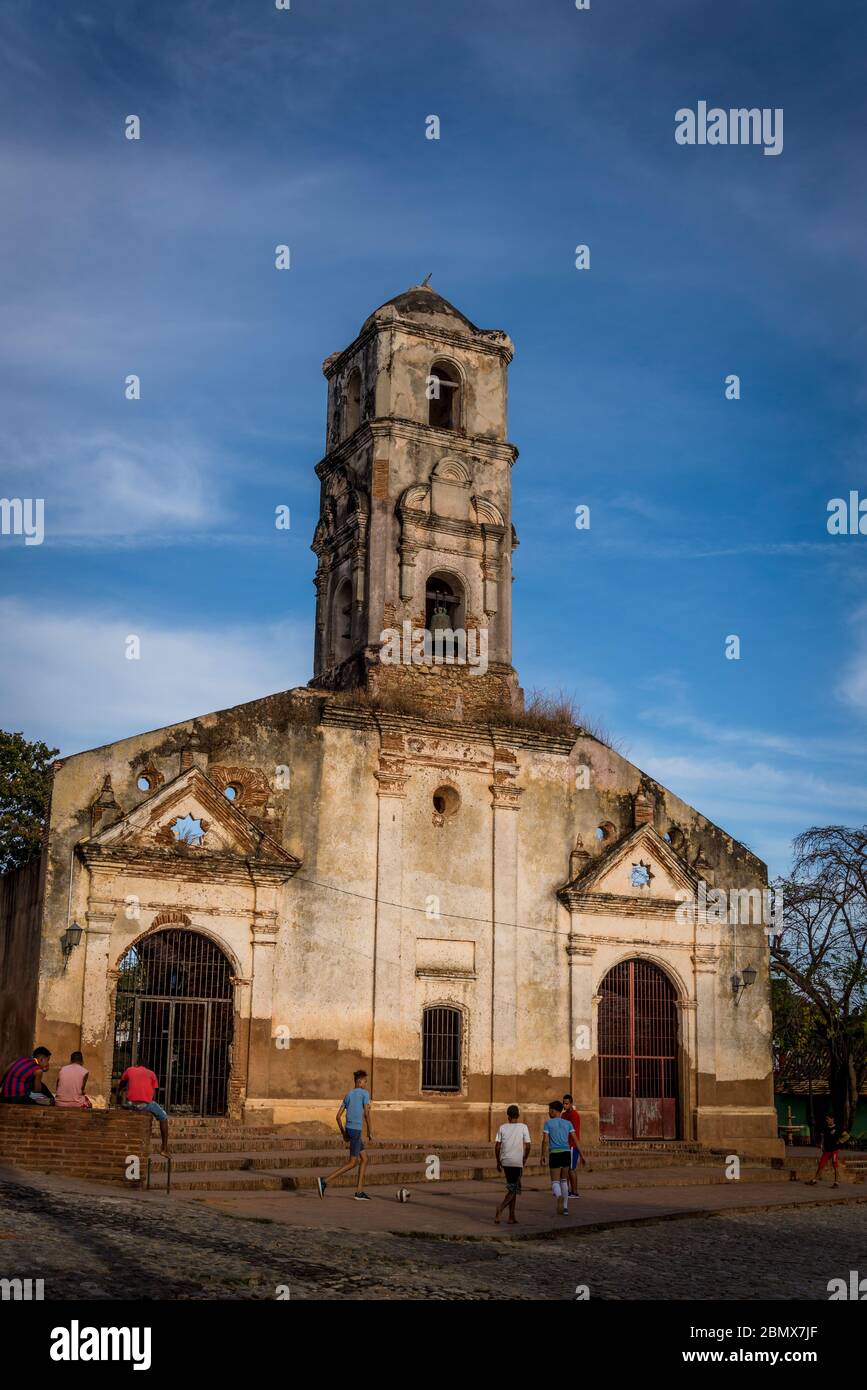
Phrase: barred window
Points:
(441, 1049)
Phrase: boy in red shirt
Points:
(140, 1083)
(571, 1114)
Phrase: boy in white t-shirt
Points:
(512, 1147)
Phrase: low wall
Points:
(94, 1144)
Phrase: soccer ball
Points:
(403, 1194)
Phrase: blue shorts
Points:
(356, 1143)
(576, 1157)
(151, 1105)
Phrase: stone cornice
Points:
(449, 526)
(392, 782)
(493, 342)
(706, 958)
(581, 949)
(100, 923)
(641, 943)
(193, 865)
(355, 716)
(505, 797)
(617, 904)
(374, 432)
(453, 441)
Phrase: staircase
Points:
(222, 1156)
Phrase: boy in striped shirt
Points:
(22, 1082)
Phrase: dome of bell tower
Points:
(425, 305)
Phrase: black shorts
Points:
(558, 1160)
(513, 1177)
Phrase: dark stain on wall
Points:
(20, 904)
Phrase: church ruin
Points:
(393, 868)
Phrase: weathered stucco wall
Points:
(395, 907)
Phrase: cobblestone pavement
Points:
(95, 1246)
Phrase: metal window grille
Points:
(441, 1049)
(174, 1014)
(638, 1078)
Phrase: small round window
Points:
(230, 792)
(144, 784)
(446, 801)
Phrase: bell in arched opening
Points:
(440, 620)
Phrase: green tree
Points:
(800, 1049)
(822, 953)
(24, 786)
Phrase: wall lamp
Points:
(742, 982)
(69, 940)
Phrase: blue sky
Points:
(708, 516)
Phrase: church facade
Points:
(396, 867)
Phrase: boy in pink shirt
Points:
(71, 1081)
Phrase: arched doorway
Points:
(638, 1074)
(174, 1013)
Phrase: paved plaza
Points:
(744, 1241)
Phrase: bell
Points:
(440, 620)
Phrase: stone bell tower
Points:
(415, 530)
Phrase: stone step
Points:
(318, 1159)
(194, 1128)
(413, 1176)
(226, 1128)
(240, 1142)
(244, 1137)
(282, 1153)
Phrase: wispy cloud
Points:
(65, 677)
(852, 687)
(107, 485)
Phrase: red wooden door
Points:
(638, 1080)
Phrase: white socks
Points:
(555, 1188)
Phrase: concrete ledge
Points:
(78, 1143)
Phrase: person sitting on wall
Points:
(22, 1082)
(71, 1081)
(137, 1087)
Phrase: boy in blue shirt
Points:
(356, 1104)
(555, 1134)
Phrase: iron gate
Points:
(174, 1013)
(638, 1079)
